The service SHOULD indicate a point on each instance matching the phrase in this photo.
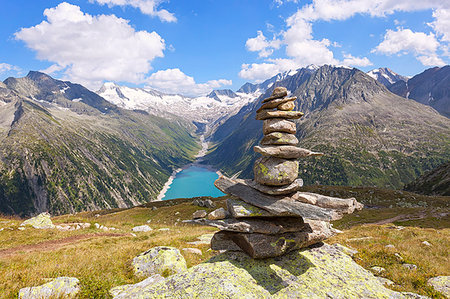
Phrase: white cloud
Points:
(349, 60)
(176, 82)
(90, 49)
(441, 24)
(431, 60)
(405, 40)
(261, 45)
(148, 7)
(5, 67)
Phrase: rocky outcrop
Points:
(320, 272)
(160, 260)
(61, 287)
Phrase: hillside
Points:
(434, 182)
(369, 135)
(65, 149)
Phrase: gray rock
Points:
(264, 246)
(218, 214)
(273, 226)
(61, 287)
(285, 151)
(278, 125)
(279, 138)
(221, 241)
(133, 290)
(275, 103)
(142, 228)
(199, 214)
(441, 284)
(410, 295)
(41, 221)
(426, 243)
(278, 190)
(161, 260)
(265, 114)
(343, 205)
(279, 207)
(207, 203)
(278, 92)
(390, 246)
(241, 209)
(410, 266)
(288, 106)
(275, 171)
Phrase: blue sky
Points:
(191, 47)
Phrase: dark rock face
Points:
(432, 87)
(434, 182)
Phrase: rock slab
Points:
(160, 260)
(61, 287)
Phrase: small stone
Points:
(278, 125)
(199, 214)
(410, 266)
(285, 151)
(279, 138)
(134, 235)
(275, 103)
(154, 208)
(177, 213)
(192, 250)
(217, 214)
(440, 284)
(389, 246)
(278, 190)
(274, 171)
(377, 270)
(161, 260)
(97, 225)
(142, 228)
(61, 287)
(288, 106)
(397, 255)
(265, 114)
(426, 243)
(97, 215)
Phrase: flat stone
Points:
(265, 114)
(133, 290)
(260, 246)
(277, 190)
(285, 151)
(220, 213)
(61, 287)
(288, 106)
(277, 206)
(441, 284)
(199, 214)
(273, 226)
(275, 103)
(342, 205)
(278, 125)
(142, 228)
(278, 92)
(161, 260)
(240, 209)
(207, 203)
(386, 281)
(279, 138)
(220, 241)
(274, 171)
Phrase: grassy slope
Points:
(101, 261)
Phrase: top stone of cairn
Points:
(277, 93)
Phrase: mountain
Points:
(434, 182)
(386, 76)
(65, 149)
(209, 110)
(431, 87)
(369, 135)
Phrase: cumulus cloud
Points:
(349, 60)
(148, 7)
(441, 24)
(6, 67)
(90, 49)
(176, 82)
(262, 45)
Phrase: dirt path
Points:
(54, 244)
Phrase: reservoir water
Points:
(191, 182)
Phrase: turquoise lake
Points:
(193, 181)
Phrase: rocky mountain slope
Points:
(369, 135)
(63, 149)
(386, 76)
(431, 87)
(434, 182)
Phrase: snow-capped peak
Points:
(386, 76)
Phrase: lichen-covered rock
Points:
(285, 151)
(441, 284)
(275, 171)
(159, 260)
(322, 272)
(133, 290)
(41, 221)
(288, 106)
(61, 287)
(241, 209)
(279, 138)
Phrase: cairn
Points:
(269, 216)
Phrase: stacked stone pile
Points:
(269, 216)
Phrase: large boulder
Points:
(321, 272)
(159, 260)
(61, 287)
(41, 221)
